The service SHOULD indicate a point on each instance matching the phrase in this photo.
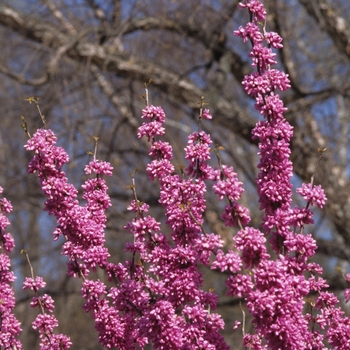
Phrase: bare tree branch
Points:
(331, 21)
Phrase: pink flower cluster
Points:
(313, 194)
(174, 312)
(82, 226)
(44, 322)
(9, 326)
(275, 290)
(154, 126)
(157, 296)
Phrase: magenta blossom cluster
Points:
(275, 289)
(313, 194)
(81, 226)
(9, 325)
(157, 297)
(45, 322)
(181, 314)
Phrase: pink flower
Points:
(230, 261)
(255, 84)
(255, 7)
(227, 184)
(253, 342)
(262, 56)
(161, 150)
(235, 213)
(274, 40)
(303, 245)
(36, 284)
(154, 113)
(314, 195)
(198, 147)
(252, 244)
(301, 216)
(99, 167)
(206, 114)
(159, 169)
(206, 245)
(195, 140)
(5, 206)
(162, 326)
(239, 285)
(270, 106)
(237, 325)
(278, 80)
(45, 301)
(10, 327)
(138, 207)
(151, 130)
(250, 31)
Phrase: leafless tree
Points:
(88, 60)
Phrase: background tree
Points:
(88, 60)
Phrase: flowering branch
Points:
(44, 322)
(157, 296)
(10, 327)
(275, 293)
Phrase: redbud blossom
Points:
(44, 322)
(206, 114)
(274, 40)
(230, 261)
(235, 213)
(158, 297)
(34, 284)
(256, 8)
(276, 298)
(250, 31)
(314, 195)
(155, 113)
(10, 327)
(252, 244)
(227, 184)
